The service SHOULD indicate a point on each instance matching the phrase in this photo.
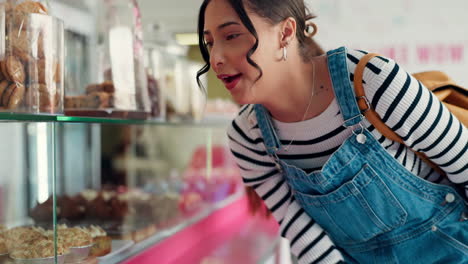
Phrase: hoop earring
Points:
(285, 53)
(308, 25)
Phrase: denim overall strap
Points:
(344, 91)
(272, 142)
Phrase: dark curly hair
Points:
(274, 11)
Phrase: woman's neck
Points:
(294, 101)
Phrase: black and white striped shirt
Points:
(404, 104)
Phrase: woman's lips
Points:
(230, 81)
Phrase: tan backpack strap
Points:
(372, 116)
(364, 104)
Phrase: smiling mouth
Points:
(230, 79)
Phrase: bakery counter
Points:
(188, 240)
(95, 242)
(255, 243)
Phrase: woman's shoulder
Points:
(355, 55)
(244, 120)
(377, 66)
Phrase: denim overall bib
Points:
(372, 207)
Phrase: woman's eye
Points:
(232, 36)
(209, 44)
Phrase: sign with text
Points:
(419, 34)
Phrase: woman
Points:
(302, 144)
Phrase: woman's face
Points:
(229, 41)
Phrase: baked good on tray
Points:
(37, 249)
(74, 237)
(102, 243)
(3, 247)
(20, 236)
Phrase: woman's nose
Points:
(217, 58)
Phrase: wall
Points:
(419, 34)
(216, 88)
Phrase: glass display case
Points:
(31, 58)
(84, 179)
(118, 85)
(76, 190)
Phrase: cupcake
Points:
(102, 242)
(70, 209)
(43, 212)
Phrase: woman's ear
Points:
(288, 31)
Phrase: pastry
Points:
(69, 208)
(2, 77)
(73, 237)
(3, 86)
(89, 195)
(102, 242)
(7, 6)
(13, 70)
(46, 98)
(98, 100)
(58, 73)
(74, 102)
(20, 235)
(37, 249)
(143, 233)
(20, 44)
(43, 212)
(43, 71)
(3, 247)
(107, 87)
(31, 7)
(13, 96)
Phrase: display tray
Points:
(107, 113)
(118, 246)
(51, 260)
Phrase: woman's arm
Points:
(420, 119)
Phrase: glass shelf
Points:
(100, 120)
(17, 117)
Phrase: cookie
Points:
(42, 97)
(2, 69)
(107, 87)
(13, 96)
(98, 100)
(2, 77)
(58, 73)
(13, 70)
(6, 6)
(31, 7)
(43, 71)
(74, 102)
(3, 86)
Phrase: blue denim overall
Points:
(372, 207)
